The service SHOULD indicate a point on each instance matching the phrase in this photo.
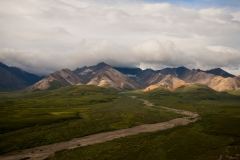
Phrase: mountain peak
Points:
(216, 69)
(102, 64)
(132, 71)
(219, 72)
(182, 67)
(66, 70)
(104, 75)
(181, 70)
(56, 80)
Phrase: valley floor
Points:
(69, 120)
(44, 152)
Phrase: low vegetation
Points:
(234, 92)
(216, 135)
(57, 84)
(43, 117)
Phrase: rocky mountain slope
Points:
(134, 78)
(149, 77)
(219, 72)
(105, 76)
(178, 72)
(218, 83)
(222, 84)
(56, 80)
(217, 79)
(12, 78)
(169, 82)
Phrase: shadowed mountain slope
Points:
(219, 72)
(149, 77)
(128, 71)
(12, 78)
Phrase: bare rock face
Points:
(213, 81)
(149, 77)
(169, 78)
(105, 76)
(64, 76)
(67, 76)
(222, 84)
(169, 82)
(198, 77)
(109, 77)
(179, 72)
(100, 75)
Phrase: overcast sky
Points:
(43, 36)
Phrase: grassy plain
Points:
(216, 134)
(30, 119)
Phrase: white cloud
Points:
(147, 54)
(218, 56)
(48, 34)
(154, 52)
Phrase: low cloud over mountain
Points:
(146, 54)
(44, 36)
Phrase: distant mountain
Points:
(12, 78)
(218, 83)
(105, 76)
(222, 84)
(217, 79)
(169, 82)
(56, 80)
(219, 72)
(128, 71)
(87, 73)
(178, 72)
(182, 71)
(148, 77)
(215, 82)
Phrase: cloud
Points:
(45, 24)
(218, 56)
(42, 63)
(43, 36)
(146, 54)
(154, 52)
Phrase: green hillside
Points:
(57, 84)
(234, 92)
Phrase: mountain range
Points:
(13, 78)
(105, 75)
